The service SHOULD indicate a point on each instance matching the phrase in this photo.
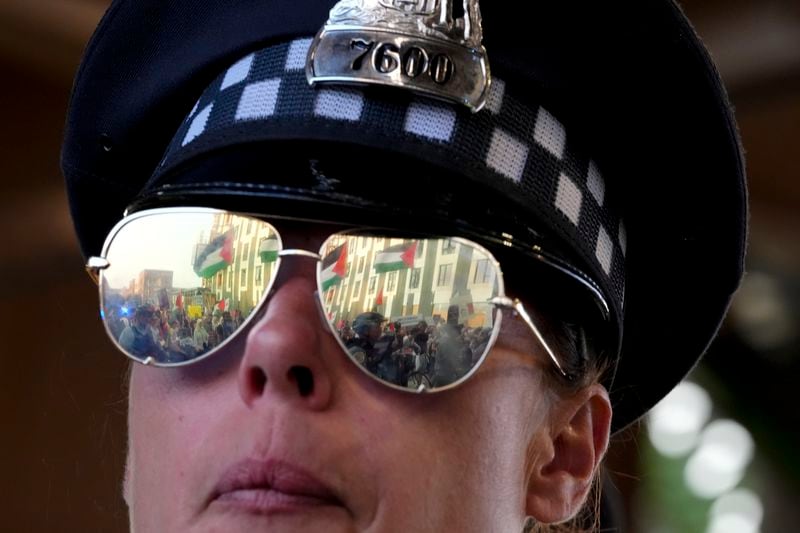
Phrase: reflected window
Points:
(483, 272)
(372, 283)
(228, 279)
(258, 274)
(356, 289)
(448, 247)
(243, 277)
(445, 274)
(360, 265)
(420, 248)
(390, 281)
(413, 281)
(245, 252)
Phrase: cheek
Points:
(508, 409)
(169, 424)
(511, 412)
(174, 409)
(465, 449)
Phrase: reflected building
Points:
(239, 284)
(443, 273)
(149, 284)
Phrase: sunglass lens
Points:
(180, 284)
(411, 312)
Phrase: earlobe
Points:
(560, 479)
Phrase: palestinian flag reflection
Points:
(217, 255)
(334, 267)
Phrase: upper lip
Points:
(277, 475)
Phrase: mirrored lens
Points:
(180, 284)
(410, 312)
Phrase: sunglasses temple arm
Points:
(517, 306)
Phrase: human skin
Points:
(477, 458)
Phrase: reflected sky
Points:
(171, 246)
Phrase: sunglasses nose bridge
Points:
(297, 252)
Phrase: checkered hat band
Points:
(508, 144)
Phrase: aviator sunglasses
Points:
(417, 313)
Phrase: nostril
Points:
(258, 379)
(304, 378)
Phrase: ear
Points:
(566, 458)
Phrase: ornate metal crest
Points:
(428, 46)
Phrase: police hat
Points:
(363, 322)
(604, 147)
(144, 311)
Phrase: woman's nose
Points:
(288, 352)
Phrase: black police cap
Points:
(629, 79)
(368, 319)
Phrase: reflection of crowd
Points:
(433, 355)
(170, 336)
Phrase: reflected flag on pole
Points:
(396, 257)
(217, 255)
(268, 249)
(334, 267)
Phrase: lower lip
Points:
(267, 501)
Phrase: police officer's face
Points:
(143, 320)
(283, 433)
(374, 332)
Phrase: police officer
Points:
(367, 329)
(578, 192)
(138, 337)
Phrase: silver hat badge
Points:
(429, 46)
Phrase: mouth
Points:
(272, 487)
